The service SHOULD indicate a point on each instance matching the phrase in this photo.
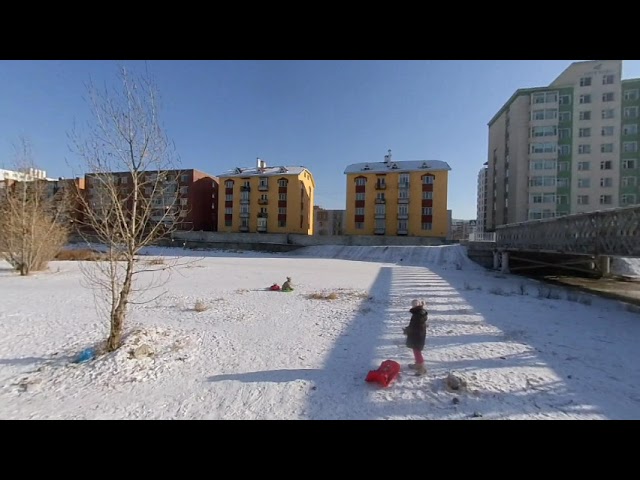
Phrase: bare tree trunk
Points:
(120, 312)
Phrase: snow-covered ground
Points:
(525, 351)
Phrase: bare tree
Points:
(131, 191)
(33, 217)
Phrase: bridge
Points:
(571, 241)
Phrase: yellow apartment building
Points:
(407, 198)
(266, 199)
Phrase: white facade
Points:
(28, 175)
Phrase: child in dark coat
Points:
(416, 333)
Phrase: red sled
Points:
(274, 288)
(385, 374)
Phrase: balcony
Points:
(244, 214)
(403, 216)
(263, 188)
(244, 201)
(262, 229)
(403, 232)
(380, 216)
(263, 201)
(380, 201)
(245, 188)
(263, 215)
(379, 231)
(403, 200)
(381, 186)
(403, 185)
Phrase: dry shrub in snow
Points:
(498, 291)
(155, 261)
(200, 306)
(323, 296)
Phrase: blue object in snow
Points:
(85, 355)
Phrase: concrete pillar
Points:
(496, 260)
(505, 262)
(604, 265)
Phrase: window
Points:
(628, 164)
(584, 132)
(359, 211)
(403, 194)
(564, 133)
(228, 222)
(607, 131)
(585, 99)
(544, 97)
(564, 150)
(228, 184)
(244, 222)
(584, 149)
(183, 201)
(359, 196)
(543, 147)
(629, 147)
(229, 197)
(283, 223)
(542, 181)
(631, 95)
(427, 211)
(630, 129)
(606, 199)
(585, 115)
(606, 148)
(562, 182)
(607, 97)
(184, 190)
(427, 180)
(427, 226)
(606, 182)
(585, 82)
(584, 182)
(282, 210)
(630, 112)
(606, 165)
(380, 209)
(283, 183)
(244, 208)
(124, 180)
(403, 180)
(608, 113)
(359, 225)
(403, 210)
(543, 165)
(264, 182)
(380, 196)
(629, 181)
(583, 199)
(564, 116)
(607, 79)
(546, 114)
(402, 225)
(628, 199)
(563, 166)
(546, 131)
(562, 199)
(564, 100)
(184, 178)
(427, 195)
(543, 198)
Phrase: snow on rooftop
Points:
(401, 166)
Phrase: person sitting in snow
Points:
(287, 286)
(416, 333)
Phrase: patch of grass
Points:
(80, 255)
(323, 296)
(200, 306)
(155, 261)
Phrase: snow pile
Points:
(146, 354)
(454, 256)
(628, 267)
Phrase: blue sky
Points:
(320, 114)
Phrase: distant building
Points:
(460, 229)
(266, 199)
(185, 198)
(481, 218)
(404, 198)
(328, 222)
